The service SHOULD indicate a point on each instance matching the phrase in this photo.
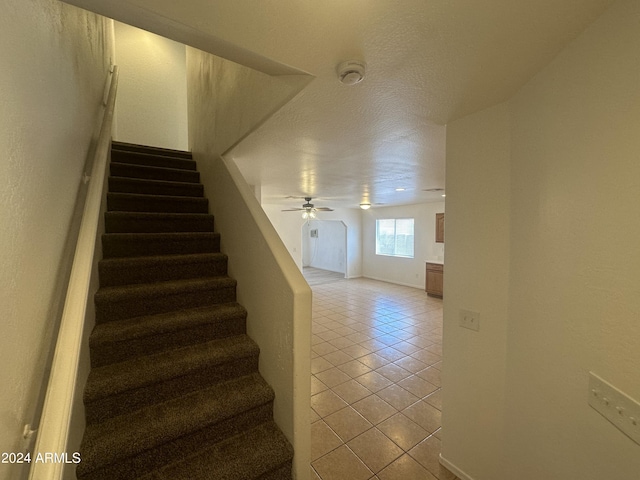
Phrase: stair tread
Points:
(149, 325)
(151, 196)
(157, 222)
(246, 456)
(155, 215)
(126, 245)
(123, 293)
(134, 147)
(146, 202)
(159, 235)
(143, 261)
(129, 434)
(151, 167)
(149, 181)
(155, 173)
(142, 371)
(156, 268)
(152, 159)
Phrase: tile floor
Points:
(376, 359)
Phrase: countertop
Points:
(436, 261)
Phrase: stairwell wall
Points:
(55, 60)
(226, 102)
(152, 93)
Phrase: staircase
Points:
(174, 391)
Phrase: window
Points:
(394, 237)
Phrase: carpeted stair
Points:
(174, 391)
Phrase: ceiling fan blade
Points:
(293, 210)
(324, 209)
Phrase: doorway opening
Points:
(324, 250)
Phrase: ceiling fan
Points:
(308, 209)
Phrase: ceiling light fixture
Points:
(365, 206)
(308, 213)
(400, 189)
(351, 72)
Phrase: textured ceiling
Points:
(428, 62)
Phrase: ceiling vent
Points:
(351, 72)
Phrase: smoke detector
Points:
(351, 72)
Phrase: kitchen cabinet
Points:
(435, 279)
(439, 227)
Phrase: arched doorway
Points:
(324, 246)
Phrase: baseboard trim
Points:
(386, 280)
(453, 469)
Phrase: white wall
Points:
(289, 227)
(403, 271)
(55, 61)
(476, 278)
(573, 298)
(574, 258)
(327, 251)
(151, 108)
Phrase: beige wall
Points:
(151, 108)
(55, 61)
(234, 99)
(561, 158)
(476, 278)
(226, 102)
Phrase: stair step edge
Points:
(124, 293)
(147, 261)
(159, 215)
(265, 445)
(159, 235)
(156, 424)
(152, 167)
(148, 181)
(134, 147)
(120, 377)
(120, 271)
(157, 199)
(153, 173)
(152, 159)
(139, 262)
(163, 323)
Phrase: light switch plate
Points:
(470, 319)
(616, 406)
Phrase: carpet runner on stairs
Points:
(174, 391)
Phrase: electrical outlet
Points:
(616, 406)
(470, 320)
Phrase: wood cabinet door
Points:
(435, 281)
(439, 227)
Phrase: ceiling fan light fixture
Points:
(351, 72)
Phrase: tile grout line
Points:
(409, 314)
